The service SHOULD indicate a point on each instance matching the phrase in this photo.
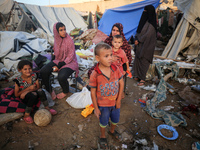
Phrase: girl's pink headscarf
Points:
(64, 51)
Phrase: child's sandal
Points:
(53, 112)
(28, 119)
(136, 79)
(103, 144)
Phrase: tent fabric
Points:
(180, 39)
(6, 6)
(14, 45)
(127, 15)
(48, 16)
(16, 20)
(190, 11)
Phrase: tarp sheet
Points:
(128, 16)
(48, 16)
(189, 23)
(5, 6)
(191, 11)
(14, 45)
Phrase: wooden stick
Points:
(166, 77)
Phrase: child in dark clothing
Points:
(106, 82)
(27, 88)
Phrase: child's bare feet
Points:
(53, 95)
(141, 83)
(61, 95)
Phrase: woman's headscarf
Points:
(64, 49)
(126, 47)
(148, 15)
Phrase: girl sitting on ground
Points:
(27, 88)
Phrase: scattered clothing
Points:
(170, 118)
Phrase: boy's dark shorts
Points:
(108, 112)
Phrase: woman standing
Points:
(144, 44)
(65, 62)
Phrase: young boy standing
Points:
(119, 56)
(106, 82)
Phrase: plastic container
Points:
(88, 110)
(170, 128)
(129, 74)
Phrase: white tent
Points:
(25, 17)
(16, 18)
(48, 16)
(186, 37)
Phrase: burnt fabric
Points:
(9, 103)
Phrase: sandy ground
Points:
(69, 130)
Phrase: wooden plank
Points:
(7, 117)
(196, 67)
(161, 57)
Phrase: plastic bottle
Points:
(88, 110)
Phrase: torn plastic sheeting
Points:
(149, 87)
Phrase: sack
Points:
(80, 99)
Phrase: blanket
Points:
(9, 103)
(170, 118)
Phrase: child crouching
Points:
(27, 88)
